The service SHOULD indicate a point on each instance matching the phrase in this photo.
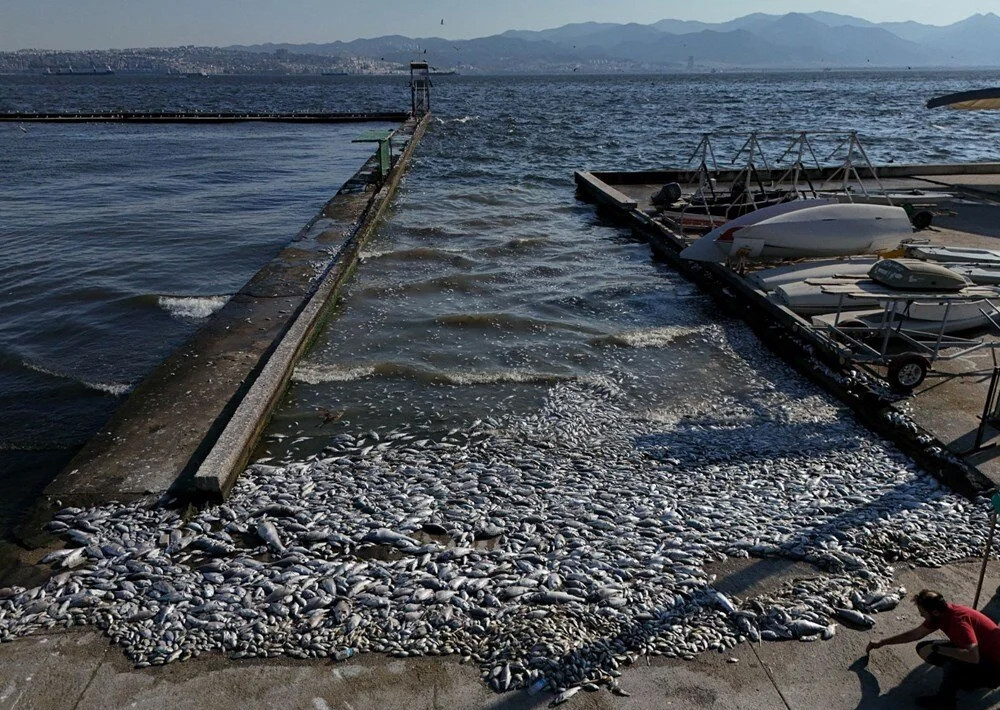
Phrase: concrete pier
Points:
(947, 405)
(189, 427)
(203, 117)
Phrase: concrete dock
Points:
(947, 406)
(78, 669)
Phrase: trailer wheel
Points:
(922, 220)
(907, 371)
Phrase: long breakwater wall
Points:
(202, 117)
(189, 428)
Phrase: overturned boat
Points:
(807, 228)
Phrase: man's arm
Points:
(905, 637)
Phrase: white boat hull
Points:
(958, 319)
(806, 228)
(706, 248)
(956, 255)
(979, 274)
(769, 279)
(820, 231)
(807, 299)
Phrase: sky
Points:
(103, 24)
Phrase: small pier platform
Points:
(946, 408)
(203, 117)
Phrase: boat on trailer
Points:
(768, 280)
(912, 295)
(907, 281)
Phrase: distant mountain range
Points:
(813, 40)
(816, 40)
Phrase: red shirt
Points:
(966, 627)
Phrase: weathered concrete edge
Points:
(799, 348)
(823, 173)
(231, 451)
(608, 194)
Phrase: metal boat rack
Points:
(908, 353)
(749, 190)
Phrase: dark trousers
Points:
(958, 674)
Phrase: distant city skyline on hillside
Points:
(103, 24)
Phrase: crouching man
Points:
(970, 657)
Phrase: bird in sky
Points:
(442, 20)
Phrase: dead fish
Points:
(857, 618)
(889, 601)
(801, 627)
(564, 696)
(269, 534)
(554, 598)
(384, 536)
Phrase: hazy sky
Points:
(100, 24)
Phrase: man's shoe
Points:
(936, 702)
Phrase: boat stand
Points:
(849, 168)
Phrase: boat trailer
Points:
(890, 340)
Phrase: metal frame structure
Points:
(800, 147)
(853, 342)
(850, 170)
(384, 150)
(420, 89)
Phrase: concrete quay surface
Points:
(79, 669)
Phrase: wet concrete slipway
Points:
(729, 553)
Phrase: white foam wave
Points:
(371, 255)
(196, 307)
(114, 388)
(315, 374)
(514, 376)
(649, 337)
(318, 374)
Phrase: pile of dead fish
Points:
(549, 549)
